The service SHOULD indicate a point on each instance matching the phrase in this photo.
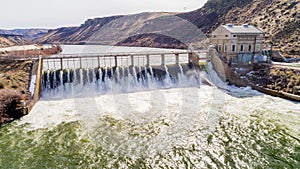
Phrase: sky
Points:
(59, 13)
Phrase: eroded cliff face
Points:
(104, 31)
(144, 29)
(76, 35)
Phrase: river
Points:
(195, 126)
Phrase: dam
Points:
(121, 72)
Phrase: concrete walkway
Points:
(295, 66)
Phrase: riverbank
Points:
(16, 70)
(14, 87)
(279, 81)
(30, 50)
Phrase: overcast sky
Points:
(58, 13)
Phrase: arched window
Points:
(233, 48)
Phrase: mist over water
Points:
(163, 126)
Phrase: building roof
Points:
(245, 28)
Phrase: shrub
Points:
(8, 102)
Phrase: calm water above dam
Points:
(173, 124)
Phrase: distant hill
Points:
(153, 40)
(158, 29)
(76, 35)
(4, 42)
(279, 19)
(7, 40)
(28, 34)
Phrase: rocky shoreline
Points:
(274, 81)
(14, 87)
(279, 81)
(286, 80)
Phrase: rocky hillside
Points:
(144, 29)
(279, 19)
(153, 40)
(28, 34)
(20, 36)
(212, 14)
(7, 40)
(4, 42)
(76, 35)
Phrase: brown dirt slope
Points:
(14, 82)
(15, 79)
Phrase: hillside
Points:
(75, 35)
(7, 40)
(162, 28)
(152, 40)
(279, 19)
(28, 34)
(4, 42)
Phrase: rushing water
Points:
(195, 126)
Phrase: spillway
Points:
(118, 79)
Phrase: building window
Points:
(234, 35)
(242, 48)
(233, 48)
(215, 36)
(249, 48)
(225, 48)
(258, 48)
(226, 36)
(219, 47)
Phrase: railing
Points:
(119, 59)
